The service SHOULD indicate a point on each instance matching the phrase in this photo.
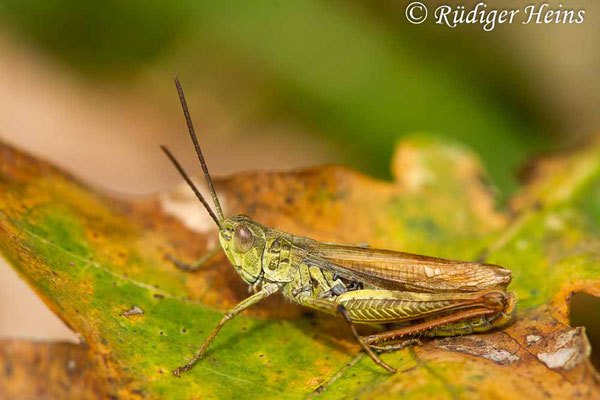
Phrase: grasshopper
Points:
(418, 294)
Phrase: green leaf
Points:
(92, 259)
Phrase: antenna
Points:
(191, 184)
(190, 126)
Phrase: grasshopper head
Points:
(243, 240)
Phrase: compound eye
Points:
(243, 239)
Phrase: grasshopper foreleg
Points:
(265, 292)
(196, 264)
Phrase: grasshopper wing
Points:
(404, 271)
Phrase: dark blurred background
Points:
(275, 84)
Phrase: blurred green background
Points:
(280, 84)
(353, 74)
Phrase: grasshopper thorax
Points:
(243, 241)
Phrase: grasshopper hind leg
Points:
(459, 323)
(332, 307)
(196, 265)
(479, 324)
(342, 310)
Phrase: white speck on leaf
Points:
(478, 347)
(501, 356)
(134, 310)
(533, 339)
(559, 358)
(568, 350)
